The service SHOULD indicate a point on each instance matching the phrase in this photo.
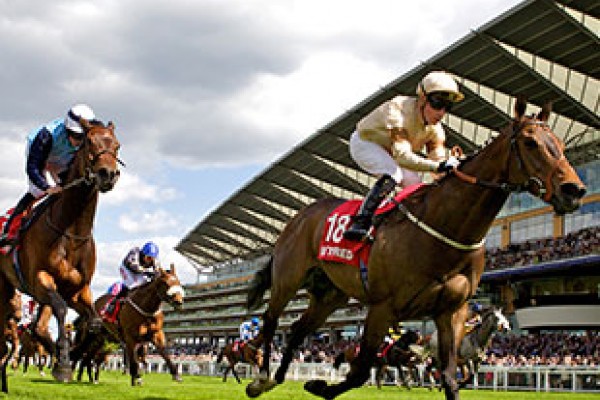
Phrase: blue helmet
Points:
(150, 249)
(255, 321)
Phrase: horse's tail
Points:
(261, 282)
(339, 359)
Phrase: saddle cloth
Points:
(334, 247)
(13, 232)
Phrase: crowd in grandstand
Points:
(575, 244)
(545, 349)
(571, 349)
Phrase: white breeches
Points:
(375, 160)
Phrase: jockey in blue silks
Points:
(50, 149)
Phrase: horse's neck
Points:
(76, 208)
(482, 333)
(468, 210)
(145, 297)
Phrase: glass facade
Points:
(532, 228)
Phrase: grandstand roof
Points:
(547, 50)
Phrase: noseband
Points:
(544, 185)
(88, 177)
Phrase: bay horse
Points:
(399, 355)
(427, 258)
(31, 350)
(140, 319)
(56, 256)
(248, 352)
(11, 330)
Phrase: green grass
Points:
(160, 387)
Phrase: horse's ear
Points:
(520, 107)
(545, 112)
(172, 268)
(111, 125)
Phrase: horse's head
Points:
(100, 152)
(169, 287)
(538, 162)
(497, 318)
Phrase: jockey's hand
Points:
(448, 165)
(53, 190)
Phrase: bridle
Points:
(544, 185)
(88, 177)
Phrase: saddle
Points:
(21, 223)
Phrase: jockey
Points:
(138, 267)
(248, 331)
(475, 318)
(29, 310)
(50, 148)
(386, 143)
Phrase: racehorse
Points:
(56, 257)
(31, 349)
(248, 352)
(427, 258)
(398, 355)
(140, 319)
(473, 344)
(11, 330)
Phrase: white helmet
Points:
(77, 112)
(440, 81)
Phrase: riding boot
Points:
(361, 223)
(21, 206)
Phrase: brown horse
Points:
(248, 352)
(140, 319)
(398, 355)
(427, 258)
(32, 350)
(11, 330)
(57, 253)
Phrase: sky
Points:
(205, 94)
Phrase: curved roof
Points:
(547, 50)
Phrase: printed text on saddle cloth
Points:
(335, 248)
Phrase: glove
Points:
(448, 165)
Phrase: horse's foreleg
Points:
(379, 318)
(447, 355)
(160, 343)
(315, 316)
(5, 297)
(134, 366)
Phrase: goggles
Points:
(439, 101)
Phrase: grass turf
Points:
(114, 385)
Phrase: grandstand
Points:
(542, 267)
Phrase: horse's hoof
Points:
(137, 382)
(316, 387)
(177, 378)
(42, 373)
(62, 374)
(254, 389)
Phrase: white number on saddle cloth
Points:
(338, 224)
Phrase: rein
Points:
(139, 309)
(544, 186)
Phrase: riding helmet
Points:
(75, 114)
(150, 249)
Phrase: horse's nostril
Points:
(573, 190)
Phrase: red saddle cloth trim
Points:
(15, 226)
(334, 247)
